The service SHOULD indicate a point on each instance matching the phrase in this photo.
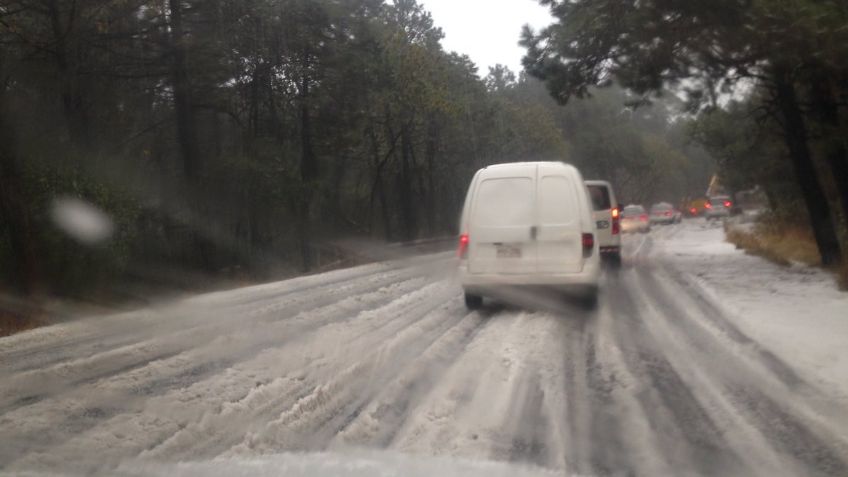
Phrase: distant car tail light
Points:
(727, 204)
(463, 246)
(708, 206)
(693, 210)
(588, 245)
(643, 217)
(668, 214)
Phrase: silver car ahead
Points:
(718, 207)
(663, 213)
(634, 218)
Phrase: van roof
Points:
(521, 165)
(598, 183)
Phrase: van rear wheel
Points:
(613, 260)
(473, 302)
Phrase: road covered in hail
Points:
(382, 365)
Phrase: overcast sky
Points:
(487, 30)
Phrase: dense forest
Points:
(245, 137)
(766, 82)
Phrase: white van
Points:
(527, 223)
(607, 215)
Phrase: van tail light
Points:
(588, 245)
(616, 221)
(462, 251)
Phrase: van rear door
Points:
(601, 211)
(503, 214)
(560, 233)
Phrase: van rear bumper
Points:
(474, 282)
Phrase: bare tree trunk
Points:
(15, 211)
(796, 137)
(409, 220)
(64, 51)
(186, 128)
(432, 144)
(378, 189)
(308, 173)
(826, 113)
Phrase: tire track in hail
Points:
(787, 432)
(90, 414)
(578, 425)
(781, 370)
(168, 414)
(684, 429)
(114, 361)
(25, 388)
(336, 399)
(181, 318)
(305, 384)
(378, 424)
(49, 341)
(610, 457)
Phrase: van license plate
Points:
(509, 251)
(603, 224)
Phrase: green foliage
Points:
(251, 134)
(749, 154)
(790, 53)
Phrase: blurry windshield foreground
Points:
(234, 224)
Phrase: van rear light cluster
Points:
(462, 251)
(616, 219)
(588, 245)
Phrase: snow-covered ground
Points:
(699, 360)
(796, 312)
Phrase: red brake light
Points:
(668, 214)
(708, 206)
(643, 217)
(463, 246)
(588, 244)
(693, 210)
(727, 204)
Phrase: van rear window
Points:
(505, 202)
(600, 197)
(633, 211)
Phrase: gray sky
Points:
(487, 30)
